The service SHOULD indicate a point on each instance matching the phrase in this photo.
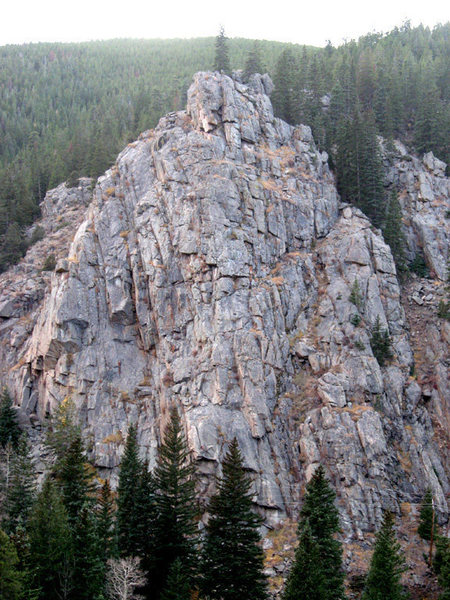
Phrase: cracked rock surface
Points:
(213, 271)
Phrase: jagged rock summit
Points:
(213, 271)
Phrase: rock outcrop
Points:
(214, 271)
(423, 192)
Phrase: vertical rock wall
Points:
(213, 271)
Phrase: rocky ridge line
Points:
(213, 271)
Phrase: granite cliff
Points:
(213, 269)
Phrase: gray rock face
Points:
(424, 195)
(213, 272)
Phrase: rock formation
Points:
(214, 271)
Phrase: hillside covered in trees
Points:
(66, 110)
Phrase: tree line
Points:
(75, 539)
(66, 110)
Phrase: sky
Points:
(312, 22)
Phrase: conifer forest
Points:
(73, 530)
(66, 110)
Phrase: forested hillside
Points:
(66, 110)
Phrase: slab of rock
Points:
(213, 272)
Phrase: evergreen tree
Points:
(21, 491)
(88, 568)
(11, 581)
(232, 565)
(380, 342)
(426, 516)
(254, 63)
(178, 586)
(175, 528)
(306, 579)
(75, 480)
(441, 565)
(386, 566)
(129, 509)
(50, 556)
(105, 523)
(9, 429)
(222, 58)
(318, 524)
(63, 431)
(359, 165)
(285, 94)
(393, 233)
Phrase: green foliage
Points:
(318, 525)
(284, 96)
(50, 556)
(9, 429)
(306, 579)
(11, 579)
(380, 342)
(131, 524)
(393, 233)
(441, 565)
(419, 266)
(442, 553)
(254, 62)
(21, 491)
(175, 528)
(232, 564)
(178, 585)
(444, 310)
(387, 565)
(355, 319)
(355, 295)
(426, 516)
(63, 431)
(49, 263)
(37, 235)
(104, 523)
(222, 57)
(67, 109)
(75, 480)
(359, 165)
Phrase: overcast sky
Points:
(311, 22)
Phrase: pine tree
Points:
(75, 480)
(380, 342)
(393, 233)
(359, 165)
(232, 566)
(386, 566)
(129, 513)
(254, 63)
(88, 568)
(441, 565)
(63, 431)
(175, 528)
(306, 579)
(50, 556)
(21, 491)
(285, 94)
(426, 516)
(222, 58)
(318, 524)
(9, 429)
(11, 580)
(105, 523)
(178, 586)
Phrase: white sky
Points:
(308, 22)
